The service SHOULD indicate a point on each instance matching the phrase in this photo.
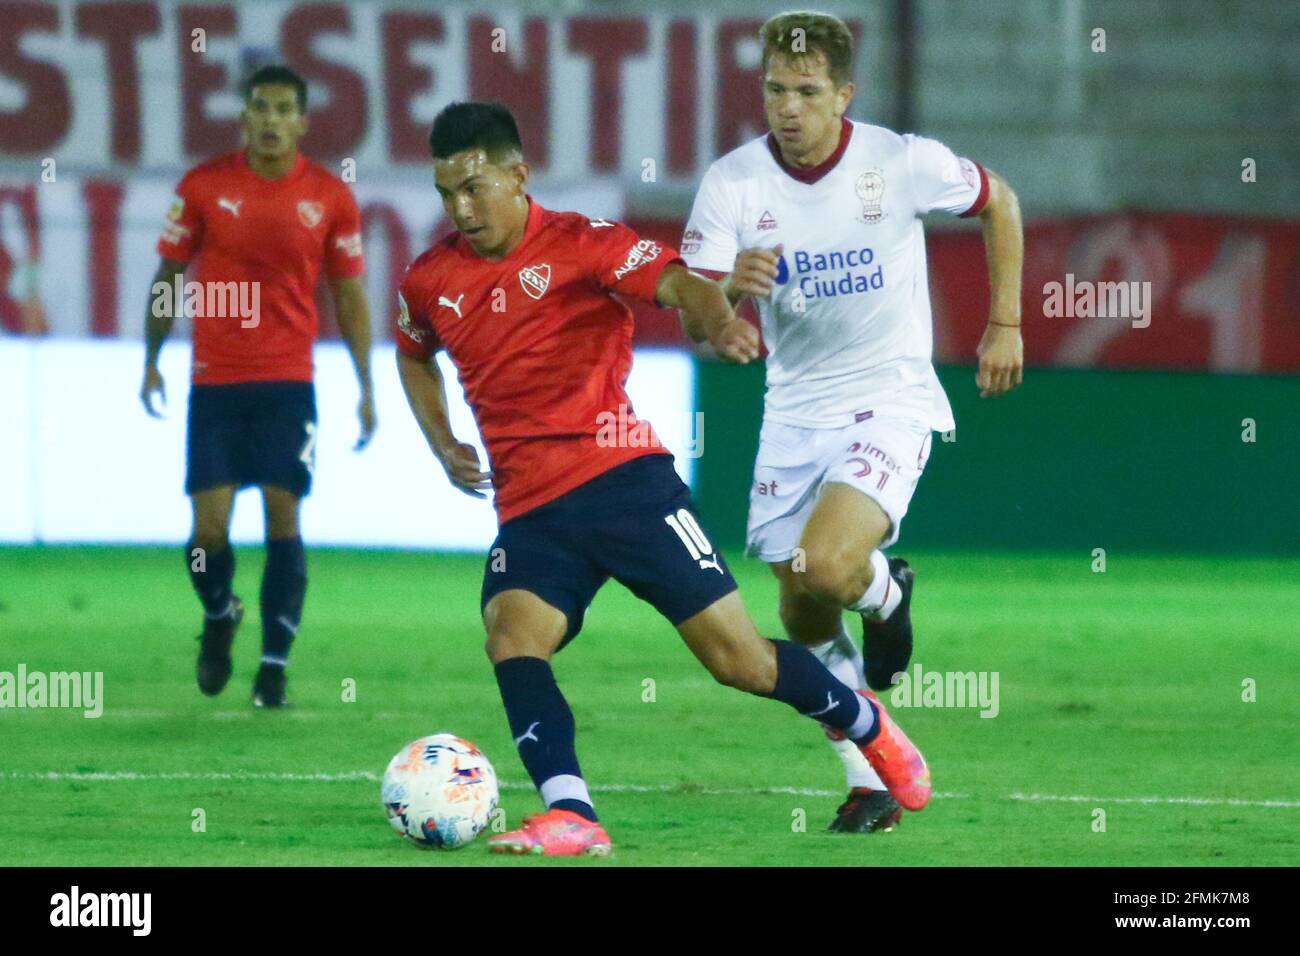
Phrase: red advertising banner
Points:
(1126, 291)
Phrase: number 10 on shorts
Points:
(693, 536)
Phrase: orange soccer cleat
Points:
(897, 761)
(554, 833)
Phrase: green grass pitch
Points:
(1120, 691)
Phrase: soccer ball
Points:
(439, 791)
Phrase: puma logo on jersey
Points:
(454, 306)
(711, 563)
(600, 224)
(831, 704)
(230, 205)
(528, 734)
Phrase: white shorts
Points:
(882, 457)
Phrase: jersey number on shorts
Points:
(866, 470)
(308, 454)
(693, 536)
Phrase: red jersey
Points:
(542, 347)
(276, 232)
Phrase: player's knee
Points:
(505, 641)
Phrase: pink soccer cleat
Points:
(554, 833)
(897, 761)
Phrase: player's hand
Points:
(153, 382)
(754, 272)
(464, 470)
(1002, 360)
(366, 413)
(737, 342)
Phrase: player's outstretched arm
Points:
(706, 313)
(1001, 350)
(158, 325)
(427, 396)
(353, 313)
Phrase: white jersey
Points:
(847, 326)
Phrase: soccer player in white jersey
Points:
(819, 222)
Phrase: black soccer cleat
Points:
(214, 665)
(887, 644)
(269, 685)
(866, 811)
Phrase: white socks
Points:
(883, 594)
(564, 786)
(843, 659)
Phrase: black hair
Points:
(281, 76)
(488, 126)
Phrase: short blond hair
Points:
(821, 33)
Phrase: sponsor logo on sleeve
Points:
(350, 244)
(404, 321)
(174, 233)
(692, 241)
(646, 250)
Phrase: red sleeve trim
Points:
(656, 269)
(982, 199)
(713, 274)
(413, 349)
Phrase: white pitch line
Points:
(666, 788)
(1187, 801)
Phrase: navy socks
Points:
(284, 587)
(803, 682)
(542, 726)
(211, 573)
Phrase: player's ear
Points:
(521, 172)
(845, 94)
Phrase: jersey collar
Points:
(814, 173)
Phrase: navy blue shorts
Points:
(252, 433)
(635, 524)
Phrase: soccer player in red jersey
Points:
(256, 227)
(521, 298)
